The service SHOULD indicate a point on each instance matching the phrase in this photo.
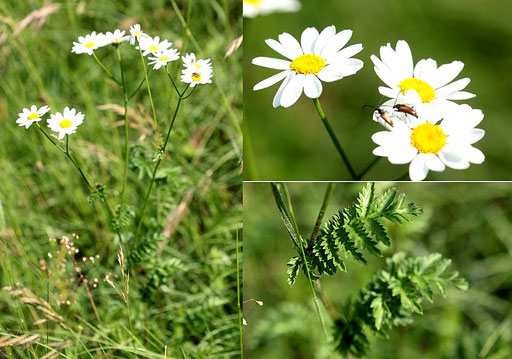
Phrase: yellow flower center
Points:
(196, 77)
(65, 124)
(308, 64)
(197, 65)
(153, 48)
(33, 116)
(137, 33)
(164, 58)
(426, 92)
(428, 138)
(89, 44)
(253, 1)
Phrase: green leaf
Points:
(378, 312)
(295, 264)
(366, 199)
(378, 231)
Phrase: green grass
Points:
(183, 288)
(467, 222)
(476, 33)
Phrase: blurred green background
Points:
(292, 144)
(469, 223)
(183, 294)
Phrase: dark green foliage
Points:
(391, 298)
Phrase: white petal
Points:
(386, 91)
(276, 102)
(418, 169)
(450, 156)
(474, 155)
(312, 86)
(385, 74)
(323, 39)
(456, 86)
(345, 53)
(434, 163)
(381, 151)
(461, 95)
(403, 154)
(382, 138)
(336, 44)
(446, 74)
(291, 45)
(404, 57)
(271, 80)
(293, 90)
(308, 39)
(350, 66)
(425, 69)
(330, 73)
(271, 63)
(279, 48)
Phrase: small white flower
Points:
(193, 77)
(433, 84)
(190, 62)
(136, 33)
(433, 147)
(152, 45)
(319, 57)
(29, 116)
(89, 43)
(116, 37)
(65, 123)
(162, 58)
(253, 8)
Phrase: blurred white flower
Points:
(253, 8)
(116, 37)
(429, 146)
(433, 85)
(189, 61)
(162, 58)
(29, 116)
(152, 45)
(318, 57)
(88, 43)
(65, 123)
(136, 33)
(196, 71)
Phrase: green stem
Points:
(77, 166)
(325, 203)
(334, 138)
(138, 88)
(375, 160)
(402, 177)
(126, 130)
(149, 93)
(238, 294)
(105, 69)
(170, 78)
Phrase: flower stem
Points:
(149, 94)
(138, 88)
(325, 203)
(403, 176)
(170, 78)
(126, 130)
(334, 138)
(375, 160)
(238, 294)
(105, 69)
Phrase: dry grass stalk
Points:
(25, 339)
(234, 45)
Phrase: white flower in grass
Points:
(318, 57)
(429, 146)
(88, 43)
(152, 45)
(29, 116)
(189, 61)
(194, 77)
(65, 123)
(253, 8)
(116, 37)
(136, 33)
(162, 58)
(433, 84)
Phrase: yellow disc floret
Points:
(428, 138)
(426, 92)
(308, 64)
(153, 48)
(90, 44)
(163, 58)
(253, 1)
(196, 77)
(33, 116)
(65, 124)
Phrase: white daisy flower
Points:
(89, 43)
(429, 146)
(136, 33)
(152, 45)
(433, 84)
(65, 123)
(189, 61)
(29, 116)
(253, 8)
(318, 57)
(116, 37)
(162, 58)
(194, 77)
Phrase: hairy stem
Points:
(325, 203)
(334, 138)
(325, 301)
(126, 130)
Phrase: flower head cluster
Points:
(196, 71)
(253, 8)
(318, 57)
(425, 127)
(64, 123)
